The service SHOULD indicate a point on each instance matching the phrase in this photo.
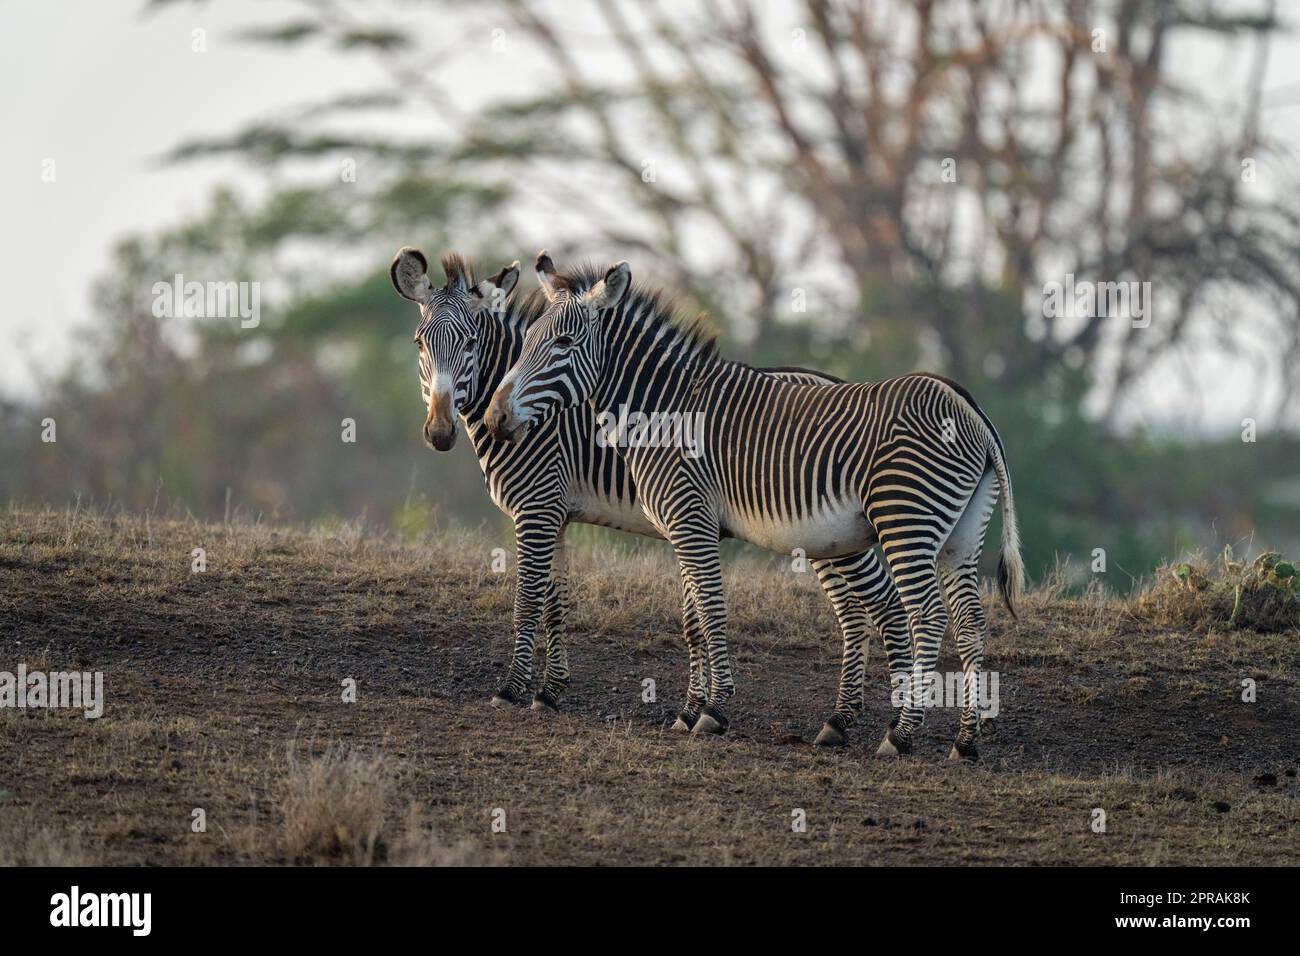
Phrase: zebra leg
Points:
(970, 626)
(837, 581)
(555, 612)
(871, 595)
(697, 554)
(912, 560)
(697, 691)
(535, 537)
(959, 564)
(890, 619)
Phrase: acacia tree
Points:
(918, 168)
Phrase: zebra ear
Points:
(609, 291)
(545, 270)
(410, 274)
(491, 293)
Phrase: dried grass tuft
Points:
(333, 808)
(1263, 595)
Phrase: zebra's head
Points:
(563, 350)
(448, 334)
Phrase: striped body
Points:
(909, 463)
(558, 473)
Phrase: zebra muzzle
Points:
(438, 436)
(500, 421)
(440, 426)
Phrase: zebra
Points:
(469, 334)
(909, 463)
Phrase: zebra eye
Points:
(563, 342)
(470, 343)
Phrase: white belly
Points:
(594, 509)
(832, 532)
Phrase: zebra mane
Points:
(520, 308)
(455, 265)
(529, 306)
(647, 307)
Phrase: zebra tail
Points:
(1011, 570)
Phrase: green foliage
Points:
(180, 414)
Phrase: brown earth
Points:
(224, 693)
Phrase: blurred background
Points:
(865, 186)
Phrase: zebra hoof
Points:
(546, 701)
(894, 745)
(710, 722)
(963, 753)
(831, 736)
(684, 722)
(504, 698)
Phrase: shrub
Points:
(1263, 595)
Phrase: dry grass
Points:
(24, 841)
(1263, 595)
(224, 693)
(333, 807)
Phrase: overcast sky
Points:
(103, 89)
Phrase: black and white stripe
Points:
(910, 463)
(557, 473)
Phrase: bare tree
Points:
(921, 165)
